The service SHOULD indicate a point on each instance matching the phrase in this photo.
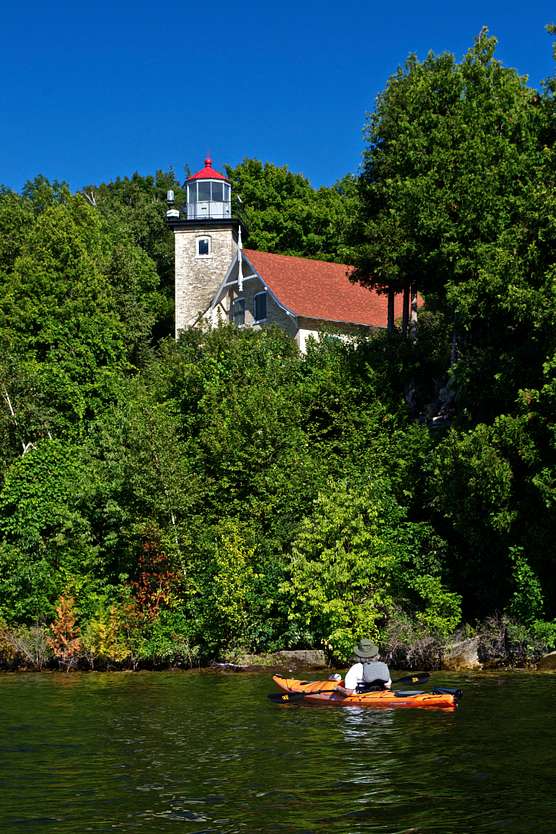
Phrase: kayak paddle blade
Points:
(424, 677)
(286, 697)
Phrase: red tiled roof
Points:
(321, 290)
(207, 173)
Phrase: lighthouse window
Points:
(203, 247)
(204, 191)
(218, 192)
(238, 312)
(260, 306)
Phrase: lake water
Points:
(200, 752)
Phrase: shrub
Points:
(65, 642)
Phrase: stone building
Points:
(216, 278)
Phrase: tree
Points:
(287, 215)
(75, 308)
(137, 205)
(65, 642)
(354, 560)
(16, 221)
(47, 542)
(493, 489)
(452, 154)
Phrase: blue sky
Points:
(92, 91)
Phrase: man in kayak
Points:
(367, 670)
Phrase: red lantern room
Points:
(208, 195)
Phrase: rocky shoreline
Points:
(480, 652)
(467, 654)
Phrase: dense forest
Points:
(171, 502)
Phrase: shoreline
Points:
(547, 663)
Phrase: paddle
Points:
(424, 677)
(292, 697)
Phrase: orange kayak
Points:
(320, 693)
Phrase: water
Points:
(198, 752)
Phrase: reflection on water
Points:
(199, 752)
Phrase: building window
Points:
(238, 312)
(203, 247)
(260, 306)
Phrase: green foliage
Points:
(137, 206)
(28, 587)
(527, 601)
(340, 571)
(40, 194)
(140, 486)
(287, 215)
(544, 632)
(354, 559)
(24, 412)
(441, 609)
(47, 543)
(474, 484)
(169, 641)
(75, 308)
(432, 197)
(29, 643)
(16, 220)
(37, 489)
(227, 614)
(492, 489)
(456, 199)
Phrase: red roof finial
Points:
(208, 172)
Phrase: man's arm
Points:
(343, 691)
(350, 682)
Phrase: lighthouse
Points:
(206, 243)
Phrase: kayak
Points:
(321, 694)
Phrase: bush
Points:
(28, 643)
(356, 562)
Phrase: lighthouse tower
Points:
(206, 242)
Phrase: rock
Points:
(411, 398)
(289, 660)
(250, 661)
(446, 395)
(462, 655)
(547, 663)
(306, 657)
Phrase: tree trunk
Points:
(405, 311)
(413, 325)
(390, 310)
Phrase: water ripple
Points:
(197, 752)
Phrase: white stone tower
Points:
(206, 243)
